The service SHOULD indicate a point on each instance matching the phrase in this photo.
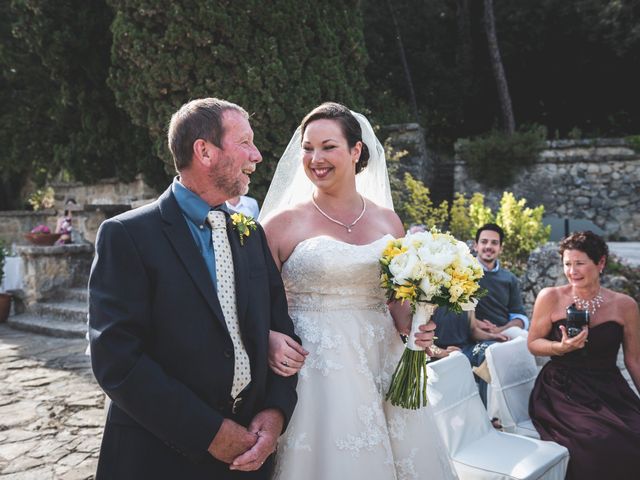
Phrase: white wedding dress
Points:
(342, 428)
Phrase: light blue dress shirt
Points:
(195, 211)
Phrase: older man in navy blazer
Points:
(161, 347)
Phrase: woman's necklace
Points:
(590, 306)
(352, 224)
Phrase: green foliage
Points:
(616, 267)
(496, 158)
(276, 59)
(634, 142)
(418, 208)
(393, 158)
(460, 224)
(61, 116)
(479, 214)
(555, 53)
(523, 228)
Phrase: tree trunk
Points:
(405, 65)
(464, 65)
(504, 98)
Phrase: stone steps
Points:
(64, 315)
(78, 294)
(47, 325)
(68, 310)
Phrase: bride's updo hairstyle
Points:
(348, 124)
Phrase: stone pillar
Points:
(49, 269)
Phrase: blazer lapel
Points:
(178, 234)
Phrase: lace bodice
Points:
(324, 274)
(342, 427)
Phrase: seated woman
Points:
(580, 399)
(64, 223)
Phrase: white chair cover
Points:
(13, 274)
(513, 372)
(515, 332)
(624, 372)
(479, 451)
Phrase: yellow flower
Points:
(394, 248)
(405, 292)
(243, 225)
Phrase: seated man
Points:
(502, 307)
(462, 332)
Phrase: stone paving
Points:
(51, 408)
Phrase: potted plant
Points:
(5, 298)
(41, 235)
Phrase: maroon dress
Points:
(582, 401)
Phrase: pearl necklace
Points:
(352, 224)
(590, 306)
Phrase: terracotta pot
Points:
(42, 239)
(5, 306)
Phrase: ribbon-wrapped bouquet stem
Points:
(427, 269)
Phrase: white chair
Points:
(624, 372)
(478, 450)
(513, 372)
(515, 332)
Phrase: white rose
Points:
(402, 267)
(470, 305)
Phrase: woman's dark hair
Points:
(588, 242)
(348, 124)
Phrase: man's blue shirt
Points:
(195, 211)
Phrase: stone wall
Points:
(94, 203)
(105, 192)
(409, 137)
(49, 269)
(14, 224)
(596, 180)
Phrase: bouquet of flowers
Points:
(427, 269)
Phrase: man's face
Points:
(488, 247)
(237, 158)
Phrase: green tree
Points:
(26, 135)
(93, 139)
(276, 59)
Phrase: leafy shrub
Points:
(523, 227)
(634, 142)
(418, 208)
(495, 158)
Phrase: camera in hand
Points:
(576, 320)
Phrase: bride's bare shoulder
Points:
(389, 220)
(282, 221)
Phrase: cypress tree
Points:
(276, 59)
(80, 131)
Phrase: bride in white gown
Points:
(327, 234)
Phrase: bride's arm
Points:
(286, 356)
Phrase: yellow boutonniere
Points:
(243, 225)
